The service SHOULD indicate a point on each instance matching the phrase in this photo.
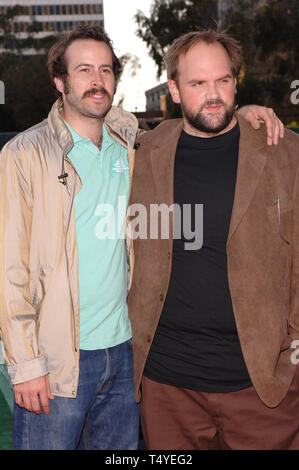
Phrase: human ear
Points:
(174, 91)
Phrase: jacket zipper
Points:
(67, 260)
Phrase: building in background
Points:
(52, 16)
(155, 97)
(156, 106)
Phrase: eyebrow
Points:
(91, 65)
(220, 78)
(229, 75)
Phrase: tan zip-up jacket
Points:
(39, 295)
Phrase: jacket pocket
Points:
(33, 285)
(280, 215)
(38, 284)
(286, 342)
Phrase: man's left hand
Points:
(258, 114)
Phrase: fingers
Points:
(35, 405)
(255, 122)
(44, 402)
(278, 130)
(252, 116)
(255, 115)
(19, 399)
(274, 126)
(49, 393)
(267, 116)
(34, 395)
(281, 129)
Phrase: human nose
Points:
(212, 90)
(97, 79)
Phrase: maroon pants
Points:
(175, 418)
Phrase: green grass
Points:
(5, 425)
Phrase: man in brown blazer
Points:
(214, 302)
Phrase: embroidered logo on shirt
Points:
(120, 166)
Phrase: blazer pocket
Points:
(280, 215)
(286, 342)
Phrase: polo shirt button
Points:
(148, 339)
(161, 297)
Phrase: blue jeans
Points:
(103, 416)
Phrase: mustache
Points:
(93, 91)
(212, 102)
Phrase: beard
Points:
(211, 124)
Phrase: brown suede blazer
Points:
(262, 249)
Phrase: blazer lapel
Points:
(162, 159)
(162, 162)
(251, 162)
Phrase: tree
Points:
(270, 59)
(28, 92)
(8, 40)
(267, 31)
(169, 19)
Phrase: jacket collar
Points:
(121, 125)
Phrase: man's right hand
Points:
(34, 395)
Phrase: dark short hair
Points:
(57, 66)
(185, 42)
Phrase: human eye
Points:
(226, 80)
(197, 84)
(106, 70)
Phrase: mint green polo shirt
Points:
(100, 210)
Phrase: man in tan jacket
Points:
(214, 304)
(63, 278)
(63, 282)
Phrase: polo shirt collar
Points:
(106, 141)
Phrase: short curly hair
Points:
(57, 66)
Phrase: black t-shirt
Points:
(196, 344)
